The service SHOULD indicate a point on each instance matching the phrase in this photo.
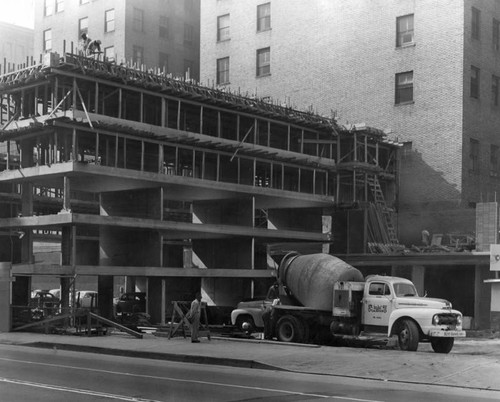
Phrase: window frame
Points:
(138, 50)
(223, 32)
(138, 19)
(85, 29)
(401, 88)
(108, 22)
(164, 27)
(223, 74)
(476, 24)
(59, 6)
(401, 34)
(475, 82)
(263, 68)
(495, 88)
(166, 56)
(47, 40)
(494, 154)
(474, 155)
(495, 35)
(106, 51)
(264, 18)
(188, 34)
(48, 8)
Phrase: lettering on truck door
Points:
(377, 304)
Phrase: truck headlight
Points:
(435, 320)
(459, 320)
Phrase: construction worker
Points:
(90, 46)
(194, 317)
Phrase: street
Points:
(32, 374)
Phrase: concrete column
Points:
(417, 277)
(105, 291)
(5, 291)
(27, 210)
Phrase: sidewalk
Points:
(473, 362)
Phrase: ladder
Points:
(381, 205)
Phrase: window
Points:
(109, 20)
(474, 156)
(474, 82)
(379, 289)
(223, 71)
(188, 34)
(138, 21)
(496, 34)
(83, 26)
(163, 29)
(223, 27)
(263, 62)
(163, 61)
(476, 23)
(48, 7)
(264, 17)
(109, 54)
(494, 160)
(59, 6)
(47, 40)
(494, 89)
(138, 56)
(404, 87)
(404, 30)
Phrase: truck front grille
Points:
(448, 319)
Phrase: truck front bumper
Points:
(437, 333)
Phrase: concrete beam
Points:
(95, 270)
(183, 229)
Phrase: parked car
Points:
(56, 292)
(86, 298)
(43, 303)
(132, 302)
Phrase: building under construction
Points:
(176, 186)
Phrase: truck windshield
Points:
(404, 290)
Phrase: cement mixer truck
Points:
(321, 295)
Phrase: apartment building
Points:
(16, 47)
(162, 33)
(425, 72)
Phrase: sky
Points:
(18, 12)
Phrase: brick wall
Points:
(64, 26)
(341, 56)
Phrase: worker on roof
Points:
(90, 46)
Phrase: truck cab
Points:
(392, 306)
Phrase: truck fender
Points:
(257, 319)
(396, 315)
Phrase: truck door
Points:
(377, 304)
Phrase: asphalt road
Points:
(31, 374)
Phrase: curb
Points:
(183, 358)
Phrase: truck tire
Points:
(289, 329)
(408, 336)
(243, 319)
(442, 345)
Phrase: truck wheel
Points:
(289, 329)
(442, 345)
(245, 319)
(408, 336)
